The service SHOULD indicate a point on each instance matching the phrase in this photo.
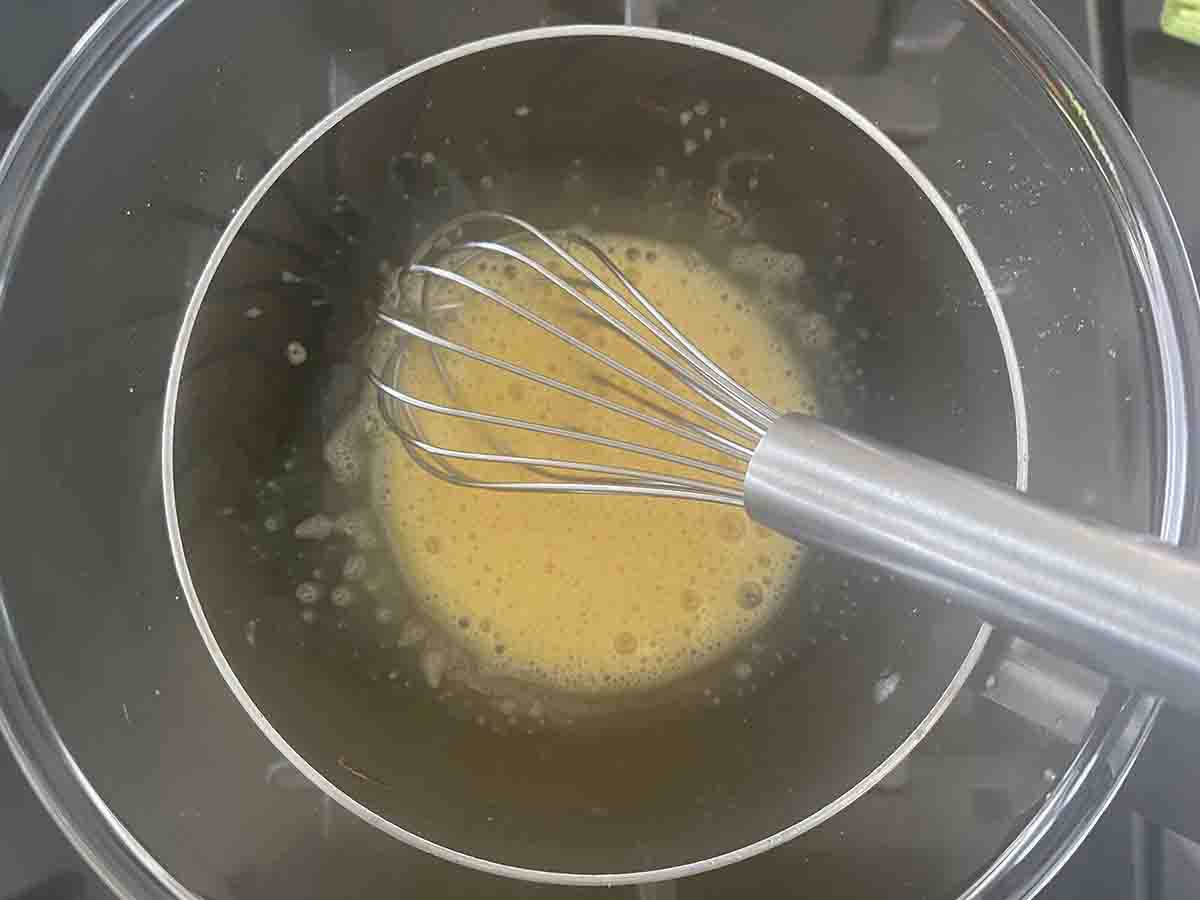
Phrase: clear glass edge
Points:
(1139, 207)
(87, 822)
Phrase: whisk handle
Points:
(1126, 603)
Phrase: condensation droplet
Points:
(297, 353)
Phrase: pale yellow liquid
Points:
(589, 593)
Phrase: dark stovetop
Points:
(1131, 854)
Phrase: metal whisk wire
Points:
(738, 418)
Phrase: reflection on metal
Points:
(641, 12)
(899, 107)
(1047, 690)
(1101, 759)
(899, 97)
(282, 774)
(929, 27)
(897, 779)
(663, 890)
(1117, 599)
(350, 73)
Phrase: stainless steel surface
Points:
(772, 788)
(1040, 687)
(1126, 603)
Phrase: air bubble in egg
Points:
(749, 595)
(357, 526)
(355, 567)
(433, 664)
(412, 633)
(314, 528)
(308, 592)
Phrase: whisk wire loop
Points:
(725, 419)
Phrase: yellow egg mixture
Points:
(584, 593)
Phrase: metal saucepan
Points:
(587, 127)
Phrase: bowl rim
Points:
(216, 257)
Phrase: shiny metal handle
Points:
(1125, 603)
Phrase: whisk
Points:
(1125, 602)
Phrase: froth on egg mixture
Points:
(582, 596)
